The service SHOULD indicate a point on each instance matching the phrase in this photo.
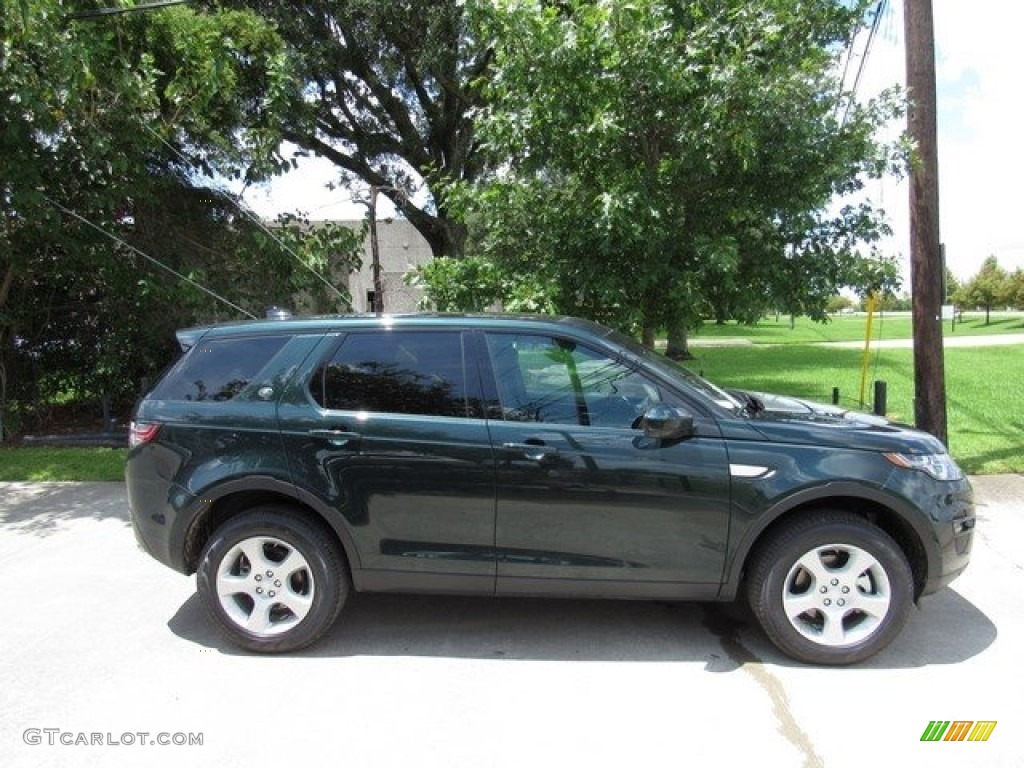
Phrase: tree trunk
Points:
(5, 292)
(445, 235)
(678, 346)
(648, 336)
(5, 286)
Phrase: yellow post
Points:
(872, 305)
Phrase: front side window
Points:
(557, 381)
(420, 372)
(218, 369)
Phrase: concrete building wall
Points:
(401, 249)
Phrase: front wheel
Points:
(271, 580)
(830, 588)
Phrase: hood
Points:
(794, 420)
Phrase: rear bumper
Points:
(154, 503)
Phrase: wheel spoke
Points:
(229, 584)
(859, 561)
(296, 603)
(253, 550)
(796, 605)
(293, 562)
(259, 619)
(833, 633)
(873, 605)
(811, 562)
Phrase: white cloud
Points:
(979, 62)
(307, 190)
(982, 165)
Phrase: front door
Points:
(586, 504)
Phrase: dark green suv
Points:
(288, 462)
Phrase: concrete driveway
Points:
(106, 653)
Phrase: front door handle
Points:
(336, 436)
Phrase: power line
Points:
(846, 67)
(254, 219)
(101, 13)
(875, 23)
(146, 256)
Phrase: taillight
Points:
(141, 433)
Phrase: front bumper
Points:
(947, 530)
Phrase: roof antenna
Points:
(278, 313)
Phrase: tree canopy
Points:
(990, 287)
(386, 91)
(107, 129)
(656, 160)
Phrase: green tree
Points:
(106, 128)
(839, 303)
(952, 287)
(388, 91)
(988, 288)
(646, 154)
(1015, 289)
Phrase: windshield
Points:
(656, 360)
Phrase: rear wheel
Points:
(830, 588)
(271, 580)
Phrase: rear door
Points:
(387, 430)
(586, 504)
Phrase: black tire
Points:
(295, 594)
(851, 577)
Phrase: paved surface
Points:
(949, 340)
(96, 638)
(995, 340)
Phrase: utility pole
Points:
(371, 204)
(378, 285)
(925, 255)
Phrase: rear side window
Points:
(218, 370)
(396, 372)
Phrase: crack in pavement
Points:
(727, 630)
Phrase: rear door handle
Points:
(533, 451)
(336, 436)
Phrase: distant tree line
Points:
(991, 288)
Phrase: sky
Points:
(980, 69)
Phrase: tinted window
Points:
(219, 369)
(396, 372)
(552, 380)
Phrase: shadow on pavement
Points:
(41, 508)
(723, 636)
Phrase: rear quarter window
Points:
(218, 369)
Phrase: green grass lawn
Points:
(37, 463)
(984, 390)
(852, 328)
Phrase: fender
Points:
(194, 512)
(820, 495)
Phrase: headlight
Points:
(938, 465)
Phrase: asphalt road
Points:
(99, 643)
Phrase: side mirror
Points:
(666, 422)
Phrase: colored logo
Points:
(958, 730)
